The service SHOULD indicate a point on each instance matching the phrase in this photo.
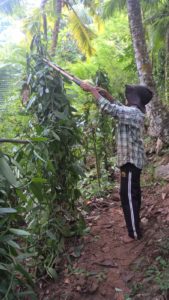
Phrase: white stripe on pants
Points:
(131, 205)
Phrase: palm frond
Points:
(111, 6)
(158, 23)
(95, 10)
(95, 3)
(82, 13)
(82, 33)
(32, 24)
(161, 26)
(152, 4)
(79, 22)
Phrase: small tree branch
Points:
(15, 141)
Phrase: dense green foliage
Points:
(14, 277)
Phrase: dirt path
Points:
(103, 266)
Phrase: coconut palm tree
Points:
(52, 9)
(58, 12)
(158, 116)
(42, 6)
(76, 16)
(78, 20)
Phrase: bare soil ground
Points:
(102, 266)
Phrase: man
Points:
(130, 149)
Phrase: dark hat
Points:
(138, 95)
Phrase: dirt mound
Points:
(103, 266)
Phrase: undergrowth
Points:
(156, 275)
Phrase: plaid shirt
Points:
(130, 148)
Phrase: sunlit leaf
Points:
(38, 179)
(55, 136)
(19, 232)
(31, 101)
(7, 210)
(39, 139)
(3, 267)
(7, 172)
(38, 156)
(82, 33)
(13, 244)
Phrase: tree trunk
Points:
(158, 115)
(58, 10)
(167, 66)
(42, 6)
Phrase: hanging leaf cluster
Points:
(15, 281)
(53, 165)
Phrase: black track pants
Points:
(130, 193)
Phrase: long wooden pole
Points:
(63, 72)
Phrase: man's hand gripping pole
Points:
(96, 91)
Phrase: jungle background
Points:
(60, 217)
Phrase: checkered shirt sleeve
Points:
(124, 114)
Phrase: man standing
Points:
(130, 149)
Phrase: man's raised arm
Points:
(97, 92)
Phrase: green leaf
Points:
(19, 232)
(51, 235)
(39, 180)
(7, 210)
(32, 100)
(38, 156)
(49, 77)
(15, 163)
(60, 115)
(25, 256)
(29, 79)
(25, 274)
(55, 136)
(39, 139)
(52, 272)
(82, 33)
(13, 244)
(41, 91)
(2, 267)
(7, 172)
(21, 195)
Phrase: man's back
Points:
(130, 147)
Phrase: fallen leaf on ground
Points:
(107, 263)
(67, 281)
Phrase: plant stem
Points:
(97, 158)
